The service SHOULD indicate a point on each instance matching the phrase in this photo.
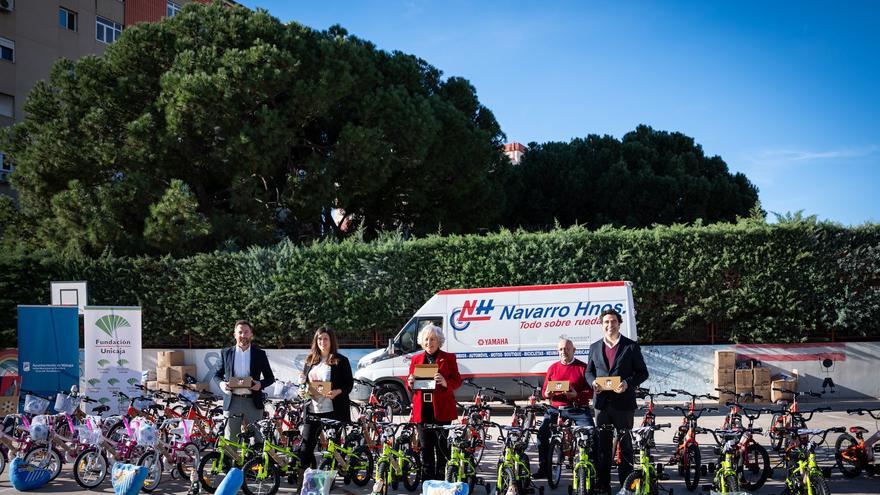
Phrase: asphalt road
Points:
(863, 485)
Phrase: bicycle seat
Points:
(100, 409)
(858, 429)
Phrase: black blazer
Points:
(260, 370)
(629, 365)
(340, 377)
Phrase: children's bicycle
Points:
(687, 451)
(262, 473)
(645, 478)
(354, 461)
(398, 461)
(851, 453)
(226, 454)
(788, 417)
(727, 478)
(584, 478)
(461, 466)
(513, 465)
(178, 451)
(804, 477)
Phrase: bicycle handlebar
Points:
(860, 411)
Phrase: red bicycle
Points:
(687, 451)
(851, 453)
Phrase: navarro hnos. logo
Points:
(470, 311)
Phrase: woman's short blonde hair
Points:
(431, 328)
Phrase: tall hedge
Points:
(750, 281)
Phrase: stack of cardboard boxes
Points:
(784, 383)
(171, 372)
(747, 379)
(725, 367)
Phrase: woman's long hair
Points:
(314, 356)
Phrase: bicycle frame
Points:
(459, 458)
(583, 462)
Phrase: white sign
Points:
(69, 294)
(112, 355)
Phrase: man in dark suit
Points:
(240, 361)
(615, 355)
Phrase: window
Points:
(106, 30)
(407, 340)
(7, 49)
(5, 165)
(67, 19)
(7, 106)
(171, 8)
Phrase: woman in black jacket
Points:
(325, 364)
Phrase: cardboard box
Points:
(743, 379)
(723, 399)
(764, 392)
(725, 360)
(724, 379)
(165, 387)
(152, 385)
(554, 386)
(174, 374)
(783, 384)
(319, 389)
(608, 382)
(761, 378)
(425, 370)
(241, 382)
(165, 359)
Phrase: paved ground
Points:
(838, 484)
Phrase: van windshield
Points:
(408, 339)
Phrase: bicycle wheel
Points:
(480, 443)
(153, 462)
(729, 483)
(381, 478)
(819, 485)
(451, 473)
(753, 467)
(581, 476)
(507, 480)
(691, 465)
(188, 460)
(776, 436)
(3, 454)
(557, 460)
(260, 477)
(637, 484)
(848, 455)
(411, 466)
(360, 465)
(212, 470)
(44, 457)
(90, 468)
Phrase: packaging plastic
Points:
(35, 405)
(65, 404)
(39, 429)
(317, 482)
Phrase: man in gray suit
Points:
(615, 355)
(240, 361)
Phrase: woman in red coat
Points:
(434, 406)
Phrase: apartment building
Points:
(35, 33)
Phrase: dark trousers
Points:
(580, 416)
(435, 451)
(311, 430)
(622, 419)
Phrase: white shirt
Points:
(241, 362)
(321, 373)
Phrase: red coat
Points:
(444, 397)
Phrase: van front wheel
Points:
(392, 393)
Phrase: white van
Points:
(501, 333)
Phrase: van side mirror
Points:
(390, 346)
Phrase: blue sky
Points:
(786, 92)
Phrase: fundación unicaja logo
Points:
(110, 323)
